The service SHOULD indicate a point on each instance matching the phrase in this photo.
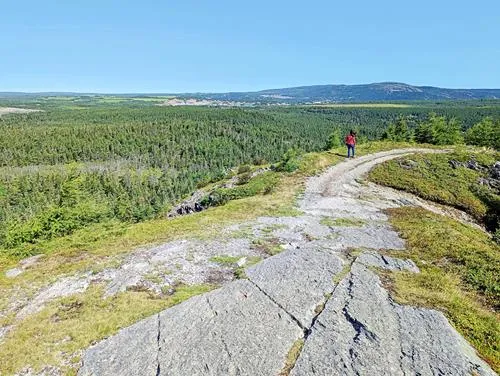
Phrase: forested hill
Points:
(385, 91)
(376, 92)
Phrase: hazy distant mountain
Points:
(384, 91)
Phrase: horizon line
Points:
(98, 92)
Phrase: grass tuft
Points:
(342, 222)
(292, 357)
(225, 259)
(240, 272)
(270, 245)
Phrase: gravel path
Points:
(317, 290)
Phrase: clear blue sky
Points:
(181, 46)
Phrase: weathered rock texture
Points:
(297, 280)
(362, 331)
(133, 351)
(351, 327)
(236, 330)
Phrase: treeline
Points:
(373, 121)
(439, 130)
(61, 170)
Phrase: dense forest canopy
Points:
(84, 161)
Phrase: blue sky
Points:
(187, 46)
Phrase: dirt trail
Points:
(341, 192)
(316, 291)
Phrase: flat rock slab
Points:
(63, 287)
(133, 351)
(342, 206)
(293, 228)
(235, 330)
(386, 262)
(375, 236)
(297, 280)
(431, 346)
(362, 331)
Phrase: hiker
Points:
(350, 142)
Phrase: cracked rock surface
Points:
(351, 327)
(236, 330)
(297, 280)
(362, 331)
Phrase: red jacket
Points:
(350, 139)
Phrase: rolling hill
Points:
(375, 92)
(385, 91)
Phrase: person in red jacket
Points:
(350, 142)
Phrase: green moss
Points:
(225, 259)
(431, 177)
(342, 222)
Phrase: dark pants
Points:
(350, 150)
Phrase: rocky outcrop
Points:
(236, 330)
(297, 280)
(351, 327)
(201, 199)
(362, 331)
(491, 175)
(247, 329)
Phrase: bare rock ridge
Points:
(318, 291)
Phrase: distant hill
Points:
(376, 92)
(384, 91)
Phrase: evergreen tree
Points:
(484, 133)
(438, 130)
(402, 132)
(390, 132)
(398, 132)
(334, 140)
